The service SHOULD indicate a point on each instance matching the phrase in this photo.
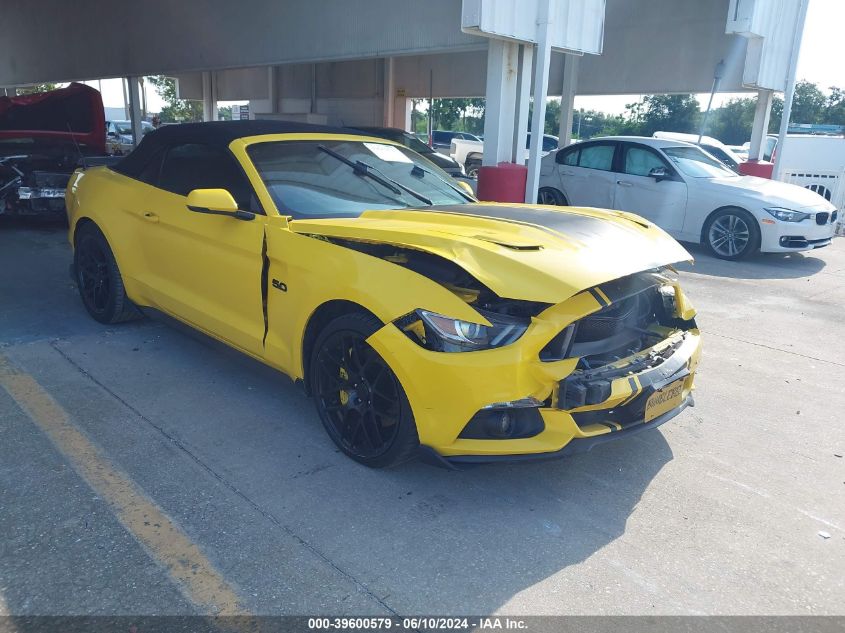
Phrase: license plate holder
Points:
(664, 400)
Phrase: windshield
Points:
(412, 142)
(306, 181)
(693, 162)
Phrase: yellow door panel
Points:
(203, 269)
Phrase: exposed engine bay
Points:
(34, 175)
(43, 138)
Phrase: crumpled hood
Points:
(772, 192)
(533, 253)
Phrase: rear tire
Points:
(550, 195)
(359, 399)
(731, 234)
(98, 278)
(472, 167)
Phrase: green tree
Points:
(176, 110)
(732, 122)
(834, 110)
(667, 113)
(35, 88)
(808, 104)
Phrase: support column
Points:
(526, 57)
(789, 93)
(209, 96)
(402, 113)
(273, 89)
(567, 98)
(502, 68)
(760, 125)
(313, 109)
(134, 109)
(543, 54)
(389, 90)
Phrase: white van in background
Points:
(815, 162)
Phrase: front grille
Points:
(821, 218)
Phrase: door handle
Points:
(624, 183)
(567, 173)
(149, 216)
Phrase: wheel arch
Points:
(80, 223)
(319, 319)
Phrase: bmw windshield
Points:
(695, 163)
(339, 178)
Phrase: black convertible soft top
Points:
(217, 133)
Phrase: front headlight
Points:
(786, 215)
(444, 334)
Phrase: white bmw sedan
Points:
(688, 193)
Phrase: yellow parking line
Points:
(199, 581)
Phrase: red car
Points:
(42, 138)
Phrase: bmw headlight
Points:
(444, 334)
(786, 215)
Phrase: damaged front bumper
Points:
(578, 407)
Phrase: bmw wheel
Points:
(732, 234)
(359, 399)
(98, 278)
(550, 195)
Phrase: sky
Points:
(822, 60)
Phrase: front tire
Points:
(359, 399)
(731, 234)
(98, 278)
(550, 195)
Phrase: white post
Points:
(209, 97)
(502, 67)
(790, 87)
(567, 98)
(523, 99)
(134, 109)
(541, 88)
(760, 125)
(389, 90)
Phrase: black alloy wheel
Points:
(92, 272)
(359, 398)
(98, 278)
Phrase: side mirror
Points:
(659, 173)
(216, 202)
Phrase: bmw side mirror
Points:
(659, 173)
(216, 202)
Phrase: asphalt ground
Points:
(145, 469)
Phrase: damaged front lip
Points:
(516, 259)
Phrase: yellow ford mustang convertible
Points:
(420, 321)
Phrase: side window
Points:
(195, 166)
(598, 156)
(152, 169)
(639, 161)
(568, 156)
(549, 144)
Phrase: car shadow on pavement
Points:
(473, 539)
(757, 266)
